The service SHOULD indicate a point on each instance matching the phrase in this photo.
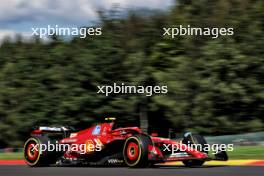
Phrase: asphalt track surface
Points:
(22, 170)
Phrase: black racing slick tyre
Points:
(135, 151)
(33, 156)
(194, 139)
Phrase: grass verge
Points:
(247, 152)
(11, 156)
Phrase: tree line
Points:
(215, 86)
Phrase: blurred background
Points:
(215, 86)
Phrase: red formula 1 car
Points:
(105, 144)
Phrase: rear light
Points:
(36, 132)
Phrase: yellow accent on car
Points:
(110, 118)
(89, 146)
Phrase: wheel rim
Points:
(32, 151)
(132, 151)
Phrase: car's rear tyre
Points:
(32, 154)
(194, 139)
(135, 151)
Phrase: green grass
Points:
(247, 152)
(11, 156)
(240, 152)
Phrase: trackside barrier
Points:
(239, 139)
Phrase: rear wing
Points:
(53, 130)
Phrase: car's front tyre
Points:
(194, 139)
(135, 151)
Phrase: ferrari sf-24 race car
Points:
(105, 144)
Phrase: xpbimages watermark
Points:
(214, 148)
(129, 89)
(181, 30)
(59, 147)
(82, 32)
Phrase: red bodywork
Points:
(104, 134)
